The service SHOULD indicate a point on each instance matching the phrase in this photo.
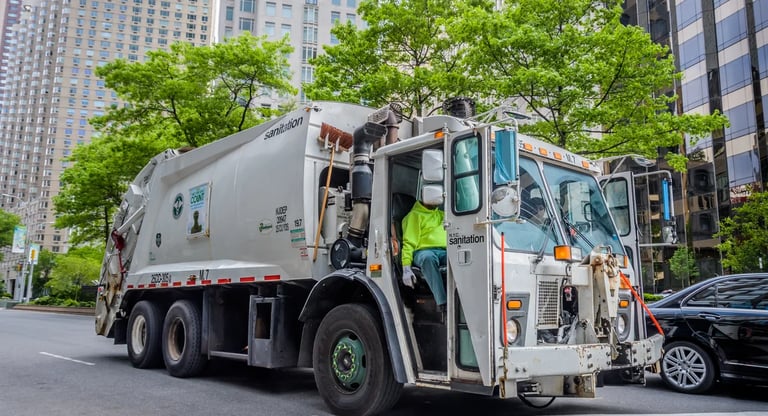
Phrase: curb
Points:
(56, 309)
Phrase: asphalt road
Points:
(54, 365)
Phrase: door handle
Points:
(709, 316)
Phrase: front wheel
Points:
(352, 368)
(687, 368)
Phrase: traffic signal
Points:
(19, 266)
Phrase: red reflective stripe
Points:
(164, 284)
(130, 286)
(205, 282)
(177, 283)
(141, 286)
(151, 285)
(224, 280)
(190, 282)
(272, 277)
(248, 279)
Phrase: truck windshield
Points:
(534, 229)
(582, 209)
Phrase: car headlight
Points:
(513, 331)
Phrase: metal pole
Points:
(24, 270)
(29, 280)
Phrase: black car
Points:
(715, 330)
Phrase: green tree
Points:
(403, 55)
(92, 189)
(188, 96)
(744, 235)
(196, 94)
(596, 84)
(78, 267)
(8, 223)
(683, 266)
(46, 260)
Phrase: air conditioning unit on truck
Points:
(279, 247)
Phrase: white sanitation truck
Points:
(279, 246)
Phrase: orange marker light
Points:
(557, 155)
(623, 303)
(585, 164)
(514, 304)
(375, 267)
(562, 252)
(439, 134)
(543, 151)
(528, 147)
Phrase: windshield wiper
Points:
(572, 228)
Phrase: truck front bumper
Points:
(644, 352)
(575, 360)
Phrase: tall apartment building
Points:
(48, 87)
(721, 47)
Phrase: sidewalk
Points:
(52, 309)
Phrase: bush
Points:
(53, 301)
(5, 295)
(650, 297)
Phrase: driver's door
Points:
(469, 259)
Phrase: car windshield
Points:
(582, 209)
(534, 230)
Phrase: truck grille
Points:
(549, 304)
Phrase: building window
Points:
(230, 13)
(310, 35)
(692, 51)
(736, 74)
(731, 29)
(269, 28)
(246, 6)
(336, 2)
(287, 11)
(310, 15)
(246, 24)
(271, 9)
(307, 74)
(352, 3)
(308, 53)
(335, 17)
(742, 120)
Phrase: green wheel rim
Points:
(348, 361)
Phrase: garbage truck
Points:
(280, 246)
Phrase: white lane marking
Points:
(65, 358)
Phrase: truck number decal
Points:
(281, 219)
(161, 278)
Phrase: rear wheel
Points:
(353, 371)
(182, 340)
(145, 330)
(687, 368)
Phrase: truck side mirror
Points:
(505, 199)
(432, 194)
(432, 165)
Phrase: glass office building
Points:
(721, 47)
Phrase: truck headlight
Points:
(513, 331)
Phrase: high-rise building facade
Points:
(721, 47)
(49, 90)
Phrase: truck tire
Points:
(352, 368)
(182, 340)
(145, 330)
